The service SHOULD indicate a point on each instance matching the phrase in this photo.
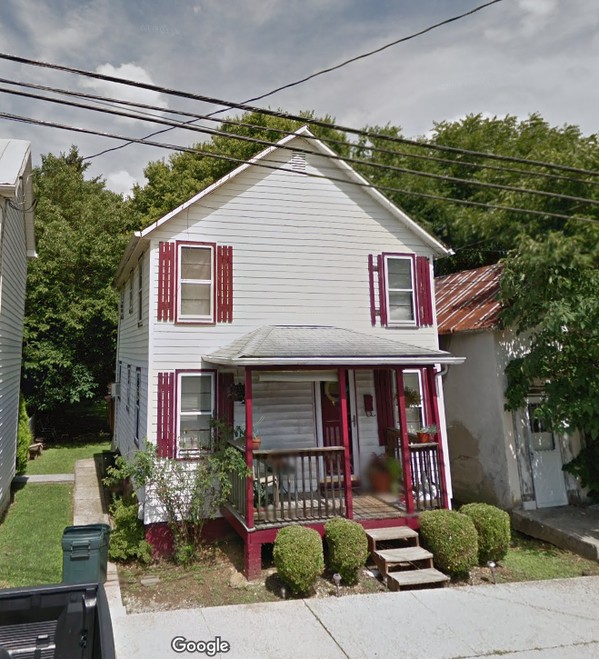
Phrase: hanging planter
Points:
(237, 392)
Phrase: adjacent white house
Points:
(291, 301)
(505, 458)
(17, 245)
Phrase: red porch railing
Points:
(425, 476)
(294, 485)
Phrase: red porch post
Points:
(249, 457)
(349, 508)
(434, 406)
(405, 449)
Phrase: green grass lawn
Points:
(30, 535)
(61, 458)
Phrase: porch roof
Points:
(313, 345)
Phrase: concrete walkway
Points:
(547, 619)
(570, 527)
(89, 508)
(44, 478)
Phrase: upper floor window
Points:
(140, 288)
(401, 308)
(122, 304)
(195, 301)
(131, 292)
(196, 398)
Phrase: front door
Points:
(331, 418)
(546, 461)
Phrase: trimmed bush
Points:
(493, 528)
(347, 548)
(24, 438)
(452, 538)
(298, 557)
(127, 539)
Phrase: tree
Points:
(550, 289)
(71, 307)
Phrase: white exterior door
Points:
(546, 462)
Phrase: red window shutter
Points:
(382, 290)
(383, 392)
(166, 281)
(224, 284)
(166, 421)
(424, 291)
(225, 399)
(371, 289)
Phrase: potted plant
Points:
(237, 392)
(385, 474)
(256, 439)
(411, 397)
(427, 433)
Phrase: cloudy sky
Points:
(516, 57)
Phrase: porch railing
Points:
(293, 485)
(426, 475)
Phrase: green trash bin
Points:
(85, 553)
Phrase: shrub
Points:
(452, 539)
(493, 528)
(298, 557)
(127, 539)
(24, 438)
(347, 548)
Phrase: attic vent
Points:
(298, 162)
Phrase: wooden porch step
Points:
(410, 557)
(416, 578)
(390, 533)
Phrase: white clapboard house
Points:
(289, 300)
(17, 244)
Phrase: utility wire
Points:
(269, 144)
(111, 101)
(218, 156)
(322, 71)
(299, 118)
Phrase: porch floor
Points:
(376, 506)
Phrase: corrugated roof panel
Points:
(468, 301)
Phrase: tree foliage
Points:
(71, 307)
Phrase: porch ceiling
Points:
(312, 345)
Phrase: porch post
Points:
(434, 407)
(349, 508)
(405, 449)
(249, 458)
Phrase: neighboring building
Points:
(285, 286)
(17, 244)
(504, 458)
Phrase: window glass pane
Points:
(400, 306)
(195, 433)
(399, 273)
(195, 263)
(412, 381)
(196, 394)
(195, 299)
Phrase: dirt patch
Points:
(216, 579)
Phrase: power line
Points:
(266, 143)
(321, 72)
(110, 101)
(218, 156)
(299, 118)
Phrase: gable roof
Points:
(15, 164)
(316, 345)
(467, 301)
(320, 147)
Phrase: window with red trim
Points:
(399, 289)
(195, 285)
(195, 411)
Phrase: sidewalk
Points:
(545, 619)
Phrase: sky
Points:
(515, 57)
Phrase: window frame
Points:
(192, 454)
(131, 279)
(405, 257)
(122, 304)
(128, 387)
(137, 403)
(421, 392)
(192, 319)
(140, 286)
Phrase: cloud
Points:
(120, 182)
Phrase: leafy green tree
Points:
(71, 307)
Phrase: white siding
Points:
(13, 273)
(132, 350)
(300, 256)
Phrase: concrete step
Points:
(391, 533)
(410, 557)
(416, 579)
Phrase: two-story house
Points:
(17, 245)
(292, 298)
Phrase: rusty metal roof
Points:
(467, 301)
